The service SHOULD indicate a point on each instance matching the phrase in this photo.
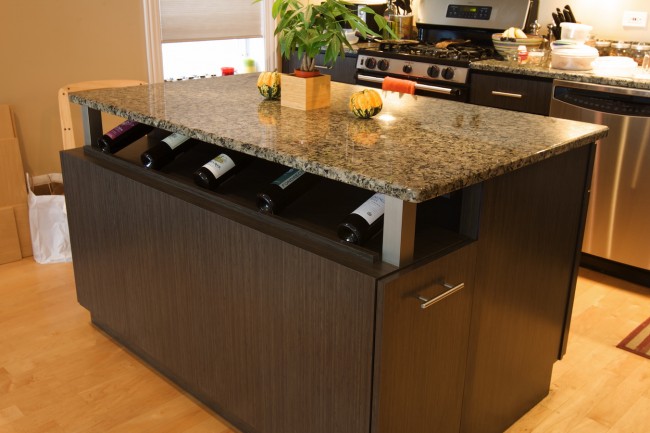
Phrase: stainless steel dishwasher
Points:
(617, 233)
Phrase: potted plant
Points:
(309, 29)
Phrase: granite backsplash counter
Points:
(417, 148)
(538, 71)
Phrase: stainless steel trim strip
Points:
(399, 231)
(601, 88)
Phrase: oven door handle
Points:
(418, 86)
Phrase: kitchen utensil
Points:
(573, 17)
(556, 19)
(405, 5)
(390, 41)
(556, 28)
(567, 16)
(452, 42)
(560, 15)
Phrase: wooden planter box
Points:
(305, 93)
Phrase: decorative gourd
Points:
(268, 84)
(366, 103)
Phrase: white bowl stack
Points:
(570, 52)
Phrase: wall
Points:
(46, 44)
(604, 15)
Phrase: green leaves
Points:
(306, 30)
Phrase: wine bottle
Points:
(122, 135)
(285, 189)
(166, 150)
(364, 222)
(219, 169)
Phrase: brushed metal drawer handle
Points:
(426, 303)
(322, 67)
(507, 95)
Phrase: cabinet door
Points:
(526, 94)
(420, 367)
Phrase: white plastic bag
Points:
(48, 220)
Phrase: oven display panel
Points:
(469, 12)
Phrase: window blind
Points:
(204, 20)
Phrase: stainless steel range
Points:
(441, 72)
(450, 37)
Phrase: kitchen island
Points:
(277, 325)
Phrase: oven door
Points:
(442, 91)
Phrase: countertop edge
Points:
(468, 177)
(559, 74)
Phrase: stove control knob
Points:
(383, 65)
(448, 73)
(433, 71)
(407, 69)
(371, 62)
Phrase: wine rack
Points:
(442, 224)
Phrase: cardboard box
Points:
(14, 219)
(12, 176)
(21, 214)
(9, 242)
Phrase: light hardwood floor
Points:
(59, 374)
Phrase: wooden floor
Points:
(60, 374)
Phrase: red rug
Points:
(638, 341)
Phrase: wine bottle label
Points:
(372, 209)
(289, 177)
(220, 165)
(121, 129)
(175, 140)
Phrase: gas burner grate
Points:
(464, 52)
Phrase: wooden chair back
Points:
(65, 114)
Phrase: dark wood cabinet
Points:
(427, 346)
(343, 70)
(273, 337)
(280, 328)
(531, 228)
(512, 92)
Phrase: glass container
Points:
(603, 47)
(620, 49)
(639, 51)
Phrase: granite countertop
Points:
(416, 149)
(538, 71)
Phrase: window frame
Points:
(153, 39)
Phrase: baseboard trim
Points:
(616, 269)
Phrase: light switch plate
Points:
(635, 19)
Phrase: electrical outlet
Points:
(635, 19)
